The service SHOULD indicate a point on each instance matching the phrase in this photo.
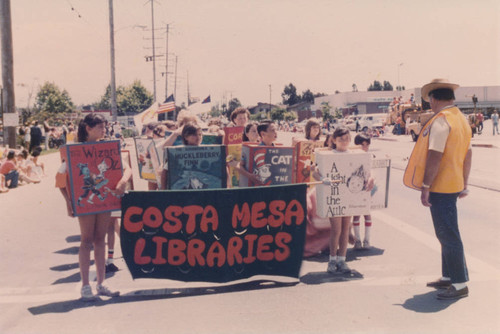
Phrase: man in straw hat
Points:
(439, 167)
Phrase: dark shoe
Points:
(111, 268)
(452, 293)
(439, 284)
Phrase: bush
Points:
(127, 133)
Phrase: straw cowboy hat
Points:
(436, 84)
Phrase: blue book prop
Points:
(196, 167)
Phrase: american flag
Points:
(167, 106)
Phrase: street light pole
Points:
(399, 85)
(112, 55)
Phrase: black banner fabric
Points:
(214, 235)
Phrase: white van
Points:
(371, 121)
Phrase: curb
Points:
(484, 145)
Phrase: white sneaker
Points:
(104, 291)
(332, 267)
(343, 267)
(87, 294)
(366, 244)
(357, 244)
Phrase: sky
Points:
(252, 49)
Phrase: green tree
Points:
(233, 104)
(307, 96)
(278, 114)
(325, 110)
(388, 86)
(51, 99)
(129, 100)
(289, 95)
(376, 86)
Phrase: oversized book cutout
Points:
(93, 169)
(304, 156)
(196, 167)
(271, 164)
(347, 194)
(144, 163)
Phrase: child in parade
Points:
(267, 132)
(93, 227)
(313, 130)
(250, 133)
(340, 226)
(364, 141)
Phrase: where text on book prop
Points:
(93, 169)
(272, 164)
(347, 196)
(214, 235)
(197, 167)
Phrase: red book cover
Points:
(272, 164)
(233, 135)
(93, 170)
(304, 155)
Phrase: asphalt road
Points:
(39, 281)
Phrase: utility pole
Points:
(166, 66)
(175, 87)
(154, 55)
(114, 112)
(9, 115)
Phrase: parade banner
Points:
(93, 171)
(197, 167)
(304, 155)
(381, 170)
(272, 164)
(214, 235)
(347, 196)
(233, 135)
(144, 163)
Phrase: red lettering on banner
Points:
(211, 217)
(251, 242)
(277, 217)
(281, 240)
(216, 252)
(139, 248)
(263, 249)
(159, 259)
(192, 211)
(152, 217)
(257, 214)
(176, 248)
(294, 209)
(195, 251)
(173, 224)
(242, 216)
(233, 251)
(128, 224)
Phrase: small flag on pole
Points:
(167, 106)
(207, 100)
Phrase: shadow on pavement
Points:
(70, 251)
(352, 255)
(70, 279)
(73, 238)
(154, 294)
(321, 277)
(426, 303)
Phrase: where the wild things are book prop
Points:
(93, 169)
(271, 164)
(197, 167)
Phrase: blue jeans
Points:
(13, 176)
(444, 216)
